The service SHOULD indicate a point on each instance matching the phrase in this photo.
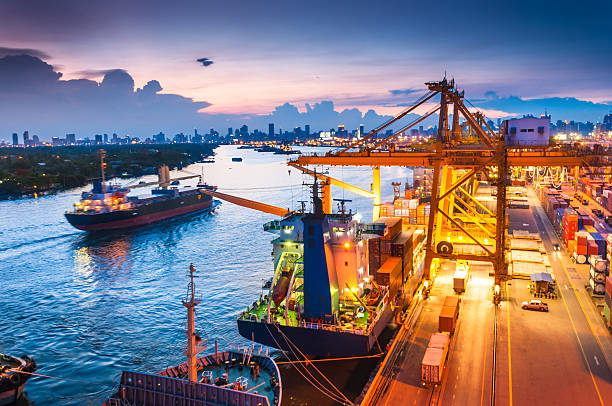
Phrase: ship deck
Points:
(346, 320)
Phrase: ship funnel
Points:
(164, 176)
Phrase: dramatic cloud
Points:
(32, 97)
(561, 108)
(4, 51)
(397, 92)
(205, 61)
(94, 73)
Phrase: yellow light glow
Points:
(347, 245)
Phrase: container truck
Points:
(432, 365)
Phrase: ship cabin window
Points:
(288, 229)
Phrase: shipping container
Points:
(447, 319)
(432, 366)
(460, 280)
(394, 226)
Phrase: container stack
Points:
(385, 269)
(569, 225)
(599, 271)
(402, 247)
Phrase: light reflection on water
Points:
(88, 306)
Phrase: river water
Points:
(86, 307)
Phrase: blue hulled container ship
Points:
(334, 288)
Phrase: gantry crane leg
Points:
(376, 192)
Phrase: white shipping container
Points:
(432, 366)
(413, 204)
(439, 340)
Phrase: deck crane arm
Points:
(251, 204)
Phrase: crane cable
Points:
(326, 392)
(321, 373)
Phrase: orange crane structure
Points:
(465, 150)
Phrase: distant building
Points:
(26, 138)
(361, 130)
(98, 139)
(15, 139)
(527, 131)
(244, 130)
(35, 140)
(271, 130)
(607, 121)
(106, 138)
(70, 139)
(307, 130)
(159, 138)
(230, 131)
(115, 138)
(57, 141)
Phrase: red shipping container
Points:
(581, 240)
(592, 248)
(581, 250)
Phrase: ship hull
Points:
(313, 341)
(139, 216)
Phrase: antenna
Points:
(193, 339)
(341, 205)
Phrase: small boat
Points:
(14, 373)
(236, 159)
(241, 378)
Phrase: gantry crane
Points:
(462, 153)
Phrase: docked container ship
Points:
(335, 282)
(109, 207)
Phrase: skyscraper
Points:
(26, 138)
(361, 130)
(35, 140)
(15, 139)
(608, 121)
(70, 139)
(307, 130)
(271, 130)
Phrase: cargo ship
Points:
(335, 283)
(109, 207)
(240, 378)
(14, 373)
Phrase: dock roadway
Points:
(468, 373)
(562, 357)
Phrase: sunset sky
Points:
(368, 55)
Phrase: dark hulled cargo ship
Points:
(109, 207)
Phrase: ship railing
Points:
(379, 312)
(330, 327)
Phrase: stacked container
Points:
(570, 224)
(599, 271)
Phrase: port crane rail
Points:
(458, 162)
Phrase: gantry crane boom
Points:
(251, 204)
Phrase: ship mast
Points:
(190, 303)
